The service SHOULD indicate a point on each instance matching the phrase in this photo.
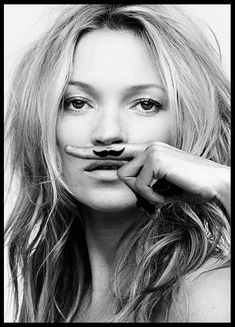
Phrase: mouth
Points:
(105, 165)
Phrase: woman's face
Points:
(112, 72)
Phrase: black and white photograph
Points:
(117, 155)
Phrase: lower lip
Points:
(106, 175)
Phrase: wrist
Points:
(223, 193)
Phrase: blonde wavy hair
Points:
(48, 256)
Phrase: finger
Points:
(81, 151)
(138, 175)
(117, 151)
(128, 172)
(132, 168)
(143, 185)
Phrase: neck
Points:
(103, 232)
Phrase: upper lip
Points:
(102, 164)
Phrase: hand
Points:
(190, 178)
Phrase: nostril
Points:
(117, 142)
(107, 142)
(106, 133)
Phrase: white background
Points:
(22, 23)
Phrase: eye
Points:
(147, 105)
(77, 104)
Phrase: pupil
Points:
(146, 105)
(78, 104)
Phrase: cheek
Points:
(158, 129)
(69, 131)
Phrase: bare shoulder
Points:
(209, 296)
(205, 298)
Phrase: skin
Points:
(206, 296)
(109, 121)
(112, 120)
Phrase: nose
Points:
(109, 129)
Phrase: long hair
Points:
(48, 255)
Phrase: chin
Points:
(112, 207)
(108, 201)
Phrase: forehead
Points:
(108, 54)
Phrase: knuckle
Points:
(152, 147)
(155, 155)
(158, 147)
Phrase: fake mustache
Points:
(106, 153)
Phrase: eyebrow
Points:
(133, 88)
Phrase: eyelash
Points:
(158, 106)
(68, 102)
